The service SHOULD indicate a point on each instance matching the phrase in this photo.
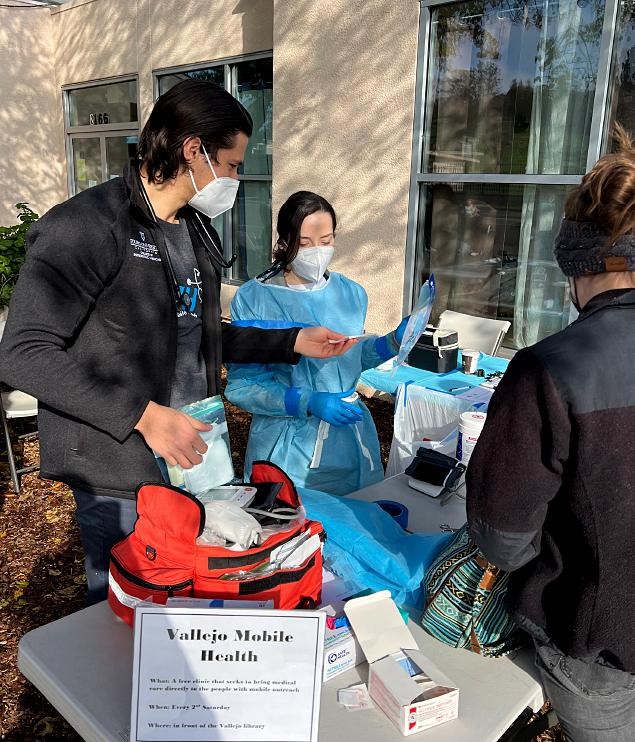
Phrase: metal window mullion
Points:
(104, 164)
(502, 178)
(417, 143)
(70, 158)
(101, 81)
(434, 3)
(206, 64)
(116, 126)
(598, 133)
(228, 220)
(254, 176)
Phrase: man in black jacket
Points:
(551, 482)
(115, 319)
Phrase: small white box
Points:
(412, 692)
(341, 652)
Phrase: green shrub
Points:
(13, 251)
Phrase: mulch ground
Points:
(42, 575)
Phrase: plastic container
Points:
(436, 350)
(469, 360)
(470, 426)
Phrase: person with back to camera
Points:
(115, 319)
(551, 482)
(302, 417)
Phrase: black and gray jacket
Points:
(551, 483)
(92, 333)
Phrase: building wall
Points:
(344, 79)
(97, 39)
(31, 145)
(344, 91)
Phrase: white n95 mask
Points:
(311, 262)
(217, 196)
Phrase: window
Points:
(246, 229)
(623, 93)
(101, 130)
(510, 114)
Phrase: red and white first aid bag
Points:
(161, 557)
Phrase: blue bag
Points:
(366, 547)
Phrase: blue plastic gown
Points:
(349, 458)
(367, 548)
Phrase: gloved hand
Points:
(330, 407)
(401, 329)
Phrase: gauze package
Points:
(216, 468)
(418, 321)
(229, 522)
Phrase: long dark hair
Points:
(192, 108)
(290, 217)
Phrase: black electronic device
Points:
(266, 498)
(436, 350)
(434, 473)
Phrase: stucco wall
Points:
(97, 39)
(344, 88)
(31, 140)
(344, 91)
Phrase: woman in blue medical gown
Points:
(304, 419)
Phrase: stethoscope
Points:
(216, 255)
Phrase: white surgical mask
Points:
(217, 196)
(311, 262)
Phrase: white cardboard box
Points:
(402, 681)
(341, 652)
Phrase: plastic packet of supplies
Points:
(216, 468)
(417, 322)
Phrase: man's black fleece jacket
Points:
(92, 333)
(551, 483)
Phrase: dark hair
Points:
(289, 226)
(606, 195)
(192, 108)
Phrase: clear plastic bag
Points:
(229, 522)
(418, 321)
(216, 468)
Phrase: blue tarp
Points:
(388, 381)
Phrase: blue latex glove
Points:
(401, 329)
(330, 407)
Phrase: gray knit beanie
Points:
(580, 249)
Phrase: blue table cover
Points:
(454, 382)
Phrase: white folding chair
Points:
(15, 404)
(478, 333)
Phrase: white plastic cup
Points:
(469, 360)
(470, 426)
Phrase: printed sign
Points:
(226, 674)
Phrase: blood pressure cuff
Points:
(435, 468)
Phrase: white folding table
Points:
(83, 665)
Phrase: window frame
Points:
(98, 131)
(598, 134)
(229, 64)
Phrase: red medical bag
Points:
(161, 558)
